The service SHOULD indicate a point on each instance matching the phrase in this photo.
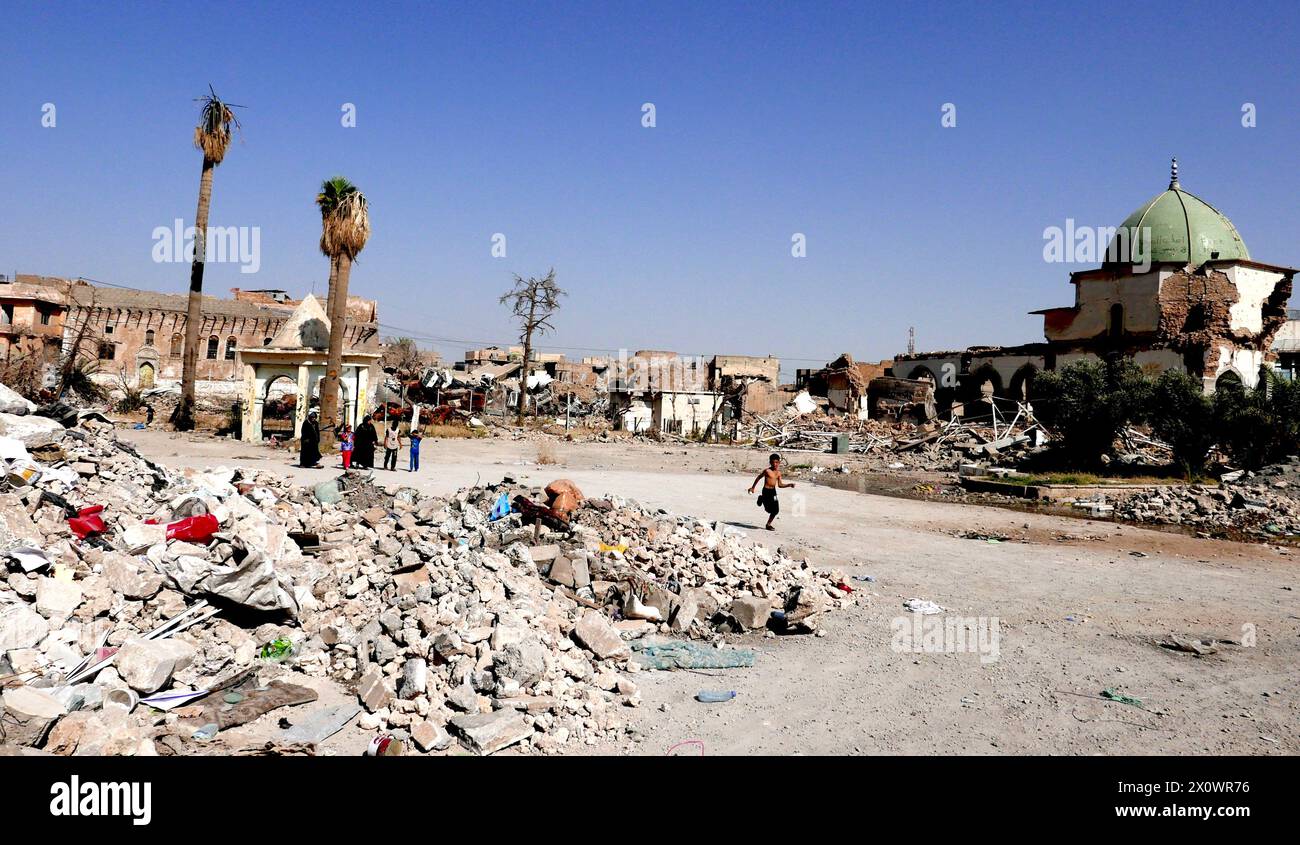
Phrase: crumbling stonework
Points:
(1197, 320)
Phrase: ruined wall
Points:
(147, 344)
(1223, 319)
(1093, 298)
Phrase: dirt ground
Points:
(1082, 606)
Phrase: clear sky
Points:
(525, 119)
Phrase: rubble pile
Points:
(146, 610)
(1263, 504)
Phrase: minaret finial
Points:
(1173, 174)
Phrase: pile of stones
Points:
(145, 610)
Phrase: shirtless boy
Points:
(771, 478)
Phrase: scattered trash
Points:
(206, 732)
(922, 606)
(384, 745)
(714, 697)
(278, 650)
(687, 655)
(1121, 698)
(501, 508)
(194, 529)
(686, 748)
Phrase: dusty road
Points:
(1077, 613)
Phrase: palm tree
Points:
(345, 228)
(212, 137)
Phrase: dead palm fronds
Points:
(212, 135)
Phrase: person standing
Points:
(309, 449)
(346, 442)
(392, 442)
(415, 449)
(363, 444)
(148, 415)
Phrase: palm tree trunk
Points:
(332, 289)
(184, 418)
(329, 387)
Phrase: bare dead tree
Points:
(533, 302)
(402, 356)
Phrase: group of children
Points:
(362, 442)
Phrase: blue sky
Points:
(772, 119)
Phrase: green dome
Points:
(1183, 229)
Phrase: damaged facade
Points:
(1182, 293)
(684, 394)
(139, 335)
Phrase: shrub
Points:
(1260, 426)
(1087, 405)
(1183, 416)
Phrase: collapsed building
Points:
(1178, 291)
(688, 395)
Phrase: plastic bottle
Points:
(714, 696)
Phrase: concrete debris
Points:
(1260, 505)
(447, 627)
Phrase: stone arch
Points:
(1022, 382)
(279, 401)
(924, 373)
(1229, 379)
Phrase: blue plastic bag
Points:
(501, 508)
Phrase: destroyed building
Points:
(31, 320)
(653, 390)
(139, 335)
(843, 383)
(1179, 291)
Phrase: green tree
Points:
(1183, 416)
(1087, 405)
(1261, 425)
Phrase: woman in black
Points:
(363, 450)
(309, 456)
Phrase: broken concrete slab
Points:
(319, 725)
(595, 632)
(488, 733)
(29, 714)
(21, 627)
(750, 611)
(148, 665)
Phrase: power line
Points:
(417, 335)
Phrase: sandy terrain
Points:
(1078, 612)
